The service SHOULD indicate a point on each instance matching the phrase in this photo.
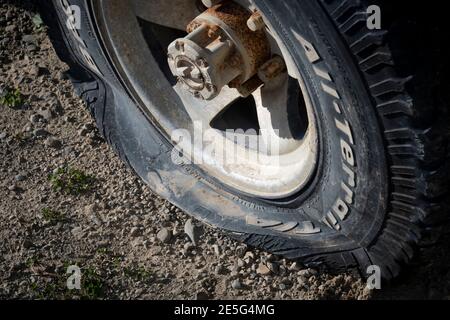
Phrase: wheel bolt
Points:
(210, 3)
(179, 46)
(202, 63)
(198, 95)
(256, 22)
(211, 87)
(248, 87)
(272, 69)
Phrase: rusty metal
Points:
(253, 47)
(248, 87)
(222, 48)
(272, 69)
(256, 22)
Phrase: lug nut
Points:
(210, 3)
(211, 87)
(179, 46)
(256, 22)
(198, 95)
(202, 63)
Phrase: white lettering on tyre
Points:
(340, 209)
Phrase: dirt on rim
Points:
(66, 199)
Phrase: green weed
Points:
(12, 98)
(71, 181)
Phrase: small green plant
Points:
(71, 181)
(138, 274)
(91, 284)
(38, 23)
(32, 261)
(48, 291)
(21, 138)
(12, 98)
(102, 251)
(116, 262)
(52, 216)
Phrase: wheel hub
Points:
(219, 50)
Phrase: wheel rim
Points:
(272, 152)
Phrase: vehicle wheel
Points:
(336, 160)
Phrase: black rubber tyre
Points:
(383, 141)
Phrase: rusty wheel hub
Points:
(223, 47)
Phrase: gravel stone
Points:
(193, 231)
(10, 28)
(46, 114)
(236, 284)
(29, 38)
(134, 232)
(164, 235)
(263, 270)
(40, 133)
(216, 249)
(53, 143)
(35, 118)
(20, 177)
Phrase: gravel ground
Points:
(67, 199)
